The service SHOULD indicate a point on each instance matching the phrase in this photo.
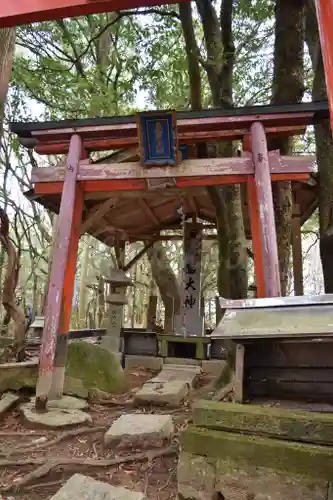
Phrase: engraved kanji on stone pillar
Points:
(191, 293)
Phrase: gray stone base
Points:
(139, 429)
(64, 412)
(182, 361)
(80, 487)
(147, 362)
(200, 478)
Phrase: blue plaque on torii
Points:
(158, 142)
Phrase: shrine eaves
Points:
(29, 11)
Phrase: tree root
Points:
(45, 465)
(19, 450)
(224, 391)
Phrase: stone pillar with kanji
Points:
(192, 322)
(117, 284)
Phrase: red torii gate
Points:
(63, 266)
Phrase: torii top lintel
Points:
(29, 11)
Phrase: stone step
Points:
(296, 425)
(80, 487)
(170, 393)
(139, 429)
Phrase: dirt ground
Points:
(20, 446)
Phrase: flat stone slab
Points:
(55, 417)
(184, 373)
(170, 387)
(140, 429)
(80, 487)
(7, 401)
(169, 393)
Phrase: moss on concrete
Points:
(16, 376)
(276, 422)
(295, 458)
(95, 366)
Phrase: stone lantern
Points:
(117, 284)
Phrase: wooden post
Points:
(325, 23)
(253, 208)
(59, 299)
(263, 184)
(297, 251)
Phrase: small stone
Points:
(7, 401)
(80, 487)
(140, 428)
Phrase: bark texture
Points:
(164, 276)
(7, 45)
(13, 311)
(288, 88)
(324, 147)
(232, 274)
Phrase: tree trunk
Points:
(7, 46)
(324, 147)
(232, 273)
(288, 88)
(164, 276)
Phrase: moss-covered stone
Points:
(250, 481)
(15, 376)
(296, 458)
(293, 425)
(196, 477)
(95, 366)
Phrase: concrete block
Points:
(196, 477)
(80, 487)
(184, 373)
(238, 481)
(147, 362)
(139, 429)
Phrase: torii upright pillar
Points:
(325, 23)
(61, 284)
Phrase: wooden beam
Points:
(29, 11)
(138, 256)
(57, 277)
(50, 188)
(96, 214)
(148, 211)
(208, 167)
(266, 211)
(190, 138)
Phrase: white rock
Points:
(80, 487)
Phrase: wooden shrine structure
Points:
(136, 200)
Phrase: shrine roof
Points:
(110, 133)
(143, 215)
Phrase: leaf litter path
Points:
(35, 463)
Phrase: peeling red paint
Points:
(325, 23)
(266, 212)
(59, 262)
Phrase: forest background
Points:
(195, 55)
